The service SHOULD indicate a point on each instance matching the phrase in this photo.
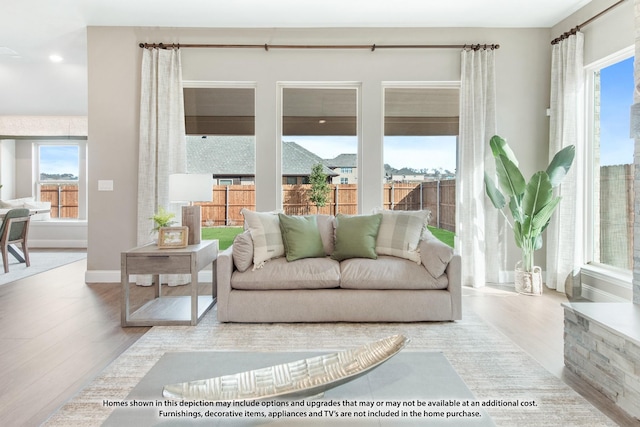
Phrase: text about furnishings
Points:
(311, 408)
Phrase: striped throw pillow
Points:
(264, 228)
(400, 233)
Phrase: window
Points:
(319, 126)
(59, 169)
(220, 127)
(420, 149)
(612, 165)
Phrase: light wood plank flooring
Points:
(57, 333)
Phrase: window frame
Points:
(600, 282)
(81, 182)
(347, 85)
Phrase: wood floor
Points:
(57, 333)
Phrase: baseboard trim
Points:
(594, 294)
(113, 276)
(603, 284)
(57, 244)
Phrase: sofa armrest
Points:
(224, 270)
(454, 276)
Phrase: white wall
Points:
(522, 63)
(24, 168)
(7, 168)
(608, 34)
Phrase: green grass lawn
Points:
(225, 235)
(444, 235)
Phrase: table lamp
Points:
(185, 187)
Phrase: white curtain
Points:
(565, 233)
(162, 145)
(480, 235)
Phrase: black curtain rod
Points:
(266, 47)
(587, 22)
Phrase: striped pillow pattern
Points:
(264, 228)
(400, 233)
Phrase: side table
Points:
(169, 310)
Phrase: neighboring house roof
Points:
(235, 156)
(221, 155)
(298, 161)
(343, 161)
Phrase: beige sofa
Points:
(390, 288)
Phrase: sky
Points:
(616, 92)
(58, 159)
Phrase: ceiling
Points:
(32, 30)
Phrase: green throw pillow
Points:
(301, 237)
(356, 236)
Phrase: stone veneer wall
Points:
(607, 360)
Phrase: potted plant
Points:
(162, 218)
(531, 205)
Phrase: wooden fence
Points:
(437, 196)
(63, 198)
(616, 215)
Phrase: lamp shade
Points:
(186, 187)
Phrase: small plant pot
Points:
(528, 282)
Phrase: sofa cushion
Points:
(301, 237)
(265, 233)
(387, 272)
(356, 236)
(243, 251)
(435, 254)
(400, 233)
(308, 273)
(327, 228)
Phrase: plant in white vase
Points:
(531, 204)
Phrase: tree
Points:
(319, 191)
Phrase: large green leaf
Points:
(499, 146)
(517, 231)
(537, 194)
(515, 205)
(560, 165)
(541, 219)
(538, 242)
(510, 178)
(494, 194)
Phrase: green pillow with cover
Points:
(301, 237)
(356, 236)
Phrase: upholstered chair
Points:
(14, 230)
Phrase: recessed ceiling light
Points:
(55, 58)
(322, 121)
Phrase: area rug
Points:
(401, 390)
(493, 368)
(40, 261)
